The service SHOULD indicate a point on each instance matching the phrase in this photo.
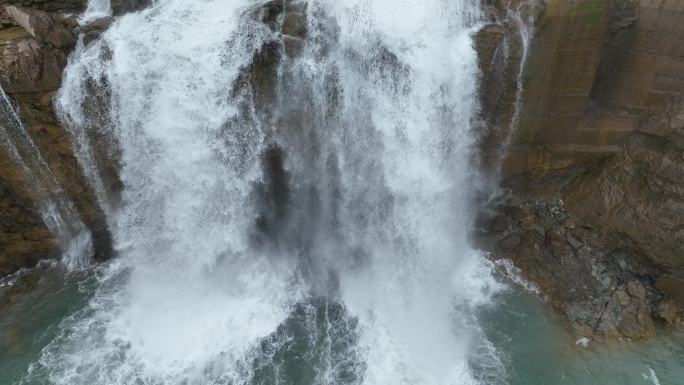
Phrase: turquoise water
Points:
(533, 346)
(537, 350)
(30, 313)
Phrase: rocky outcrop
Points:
(30, 72)
(53, 6)
(604, 293)
(36, 38)
(42, 26)
(598, 138)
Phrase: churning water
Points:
(312, 234)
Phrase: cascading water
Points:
(95, 10)
(524, 26)
(308, 231)
(55, 209)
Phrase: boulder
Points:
(33, 53)
(603, 294)
(636, 200)
(70, 6)
(27, 65)
(42, 26)
(94, 29)
(668, 311)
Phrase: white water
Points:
(524, 27)
(55, 209)
(357, 214)
(95, 10)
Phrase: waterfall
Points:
(523, 26)
(55, 209)
(95, 10)
(299, 218)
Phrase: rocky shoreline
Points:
(581, 137)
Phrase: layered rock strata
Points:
(592, 207)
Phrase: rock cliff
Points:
(589, 160)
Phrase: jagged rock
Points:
(636, 199)
(602, 293)
(24, 239)
(97, 25)
(668, 311)
(294, 24)
(601, 132)
(33, 52)
(94, 29)
(488, 41)
(41, 26)
(26, 65)
(294, 28)
(70, 6)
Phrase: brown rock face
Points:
(24, 239)
(600, 130)
(34, 46)
(636, 199)
(42, 26)
(604, 293)
(28, 66)
(49, 5)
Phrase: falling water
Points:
(54, 207)
(302, 222)
(523, 27)
(95, 10)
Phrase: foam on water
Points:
(328, 223)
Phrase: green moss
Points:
(591, 9)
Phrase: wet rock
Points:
(98, 25)
(488, 41)
(603, 294)
(94, 29)
(269, 13)
(26, 65)
(500, 50)
(120, 7)
(71, 6)
(33, 53)
(669, 312)
(42, 26)
(594, 166)
(673, 287)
